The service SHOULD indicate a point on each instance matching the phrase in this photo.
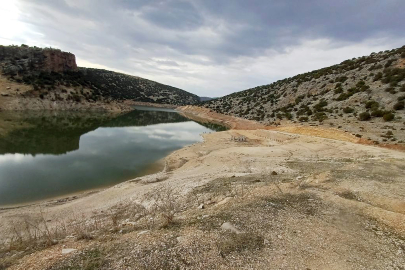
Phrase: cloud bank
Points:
(207, 47)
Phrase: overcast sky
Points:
(207, 47)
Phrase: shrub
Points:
(378, 76)
(320, 106)
(377, 113)
(372, 104)
(341, 79)
(319, 116)
(338, 90)
(303, 119)
(391, 90)
(389, 62)
(364, 116)
(388, 117)
(348, 110)
(399, 106)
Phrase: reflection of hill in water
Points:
(58, 133)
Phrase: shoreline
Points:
(223, 180)
(206, 116)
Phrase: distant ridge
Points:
(53, 75)
(202, 99)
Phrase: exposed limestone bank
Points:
(206, 115)
(263, 152)
(153, 105)
(297, 193)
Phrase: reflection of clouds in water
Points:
(105, 156)
(20, 158)
(182, 132)
(12, 158)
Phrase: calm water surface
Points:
(44, 155)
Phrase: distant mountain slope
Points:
(122, 86)
(205, 99)
(53, 75)
(363, 95)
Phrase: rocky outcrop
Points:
(23, 60)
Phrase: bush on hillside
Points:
(364, 116)
(319, 116)
(388, 117)
(320, 106)
(303, 119)
(399, 106)
(372, 104)
(377, 113)
(348, 110)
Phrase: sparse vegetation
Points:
(399, 105)
(364, 116)
(348, 110)
(388, 116)
(232, 242)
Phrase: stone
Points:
(201, 206)
(229, 227)
(274, 173)
(68, 250)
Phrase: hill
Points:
(205, 98)
(52, 75)
(364, 96)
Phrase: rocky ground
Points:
(242, 199)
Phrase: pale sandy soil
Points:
(301, 202)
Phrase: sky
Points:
(207, 47)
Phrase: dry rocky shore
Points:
(246, 198)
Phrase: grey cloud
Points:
(131, 35)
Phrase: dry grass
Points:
(91, 259)
(232, 242)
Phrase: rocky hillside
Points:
(24, 60)
(51, 74)
(364, 96)
(121, 86)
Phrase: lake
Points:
(51, 154)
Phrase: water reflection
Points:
(50, 155)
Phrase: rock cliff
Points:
(25, 60)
